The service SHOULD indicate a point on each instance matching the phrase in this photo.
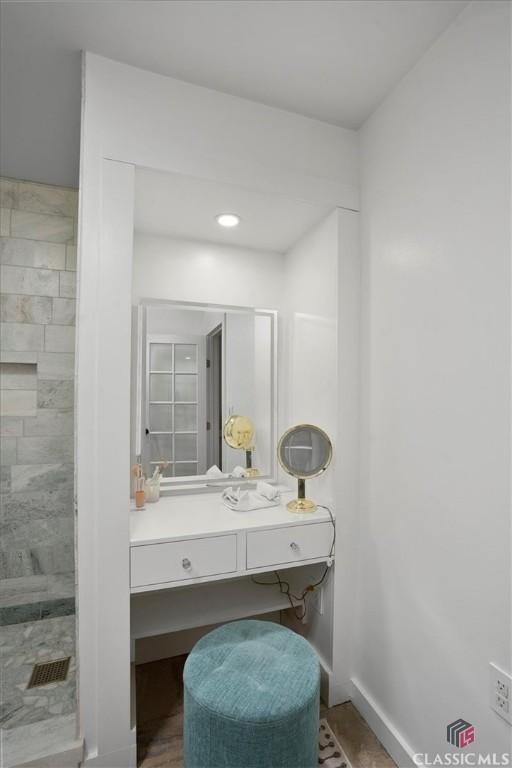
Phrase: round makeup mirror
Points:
(304, 451)
(239, 434)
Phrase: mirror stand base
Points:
(301, 505)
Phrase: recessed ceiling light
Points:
(228, 219)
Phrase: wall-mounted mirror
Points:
(197, 287)
(194, 366)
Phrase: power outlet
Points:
(501, 692)
(502, 689)
(501, 705)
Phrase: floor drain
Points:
(49, 672)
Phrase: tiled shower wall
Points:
(37, 582)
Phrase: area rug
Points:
(330, 752)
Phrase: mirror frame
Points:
(295, 428)
(200, 483)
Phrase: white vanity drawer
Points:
(288, 545)
(179, 560)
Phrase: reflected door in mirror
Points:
(175, 422)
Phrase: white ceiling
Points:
(334, 60)
(177, 206)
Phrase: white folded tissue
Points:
(265, 495)
(214, 473)
(238, 472)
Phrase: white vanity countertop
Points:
(190, 516)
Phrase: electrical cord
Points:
(284, 586)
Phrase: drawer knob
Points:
(294, 546)
(186, 563)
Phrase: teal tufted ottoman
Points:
(251, 699)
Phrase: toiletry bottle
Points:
(140, 496)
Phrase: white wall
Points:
(165, 319)
(162, 123)
(184, 270)
(308, 379)
(308, 373)
(434, 599)
(319, 384)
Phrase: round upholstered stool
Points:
(251, 699)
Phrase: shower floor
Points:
(21, 646)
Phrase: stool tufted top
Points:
(254, 671)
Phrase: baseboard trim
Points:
(121, 758)
(339, 692)
(389, 736)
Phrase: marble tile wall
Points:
(37, 343)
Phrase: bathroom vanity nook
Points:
(185, 325)
(205, 419)
(192, 539)
(192, 559)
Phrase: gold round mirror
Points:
(304, 451)
(239, 434)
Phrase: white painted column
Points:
(103, 464)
